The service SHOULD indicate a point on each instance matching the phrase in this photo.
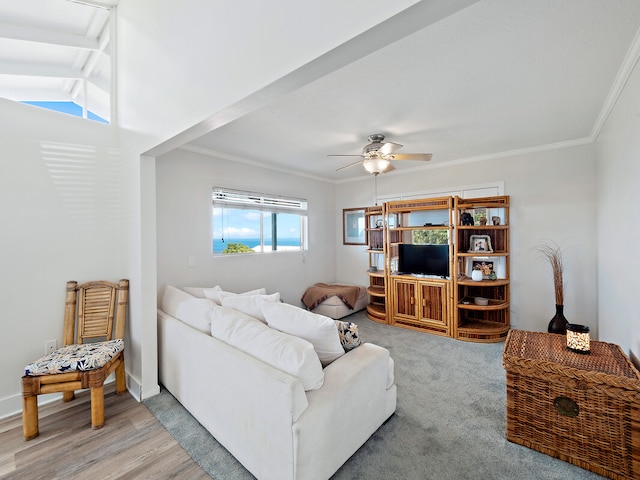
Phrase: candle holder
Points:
(578, 338)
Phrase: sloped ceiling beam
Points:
(40, 35)
(33, 70)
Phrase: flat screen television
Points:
(423, 259)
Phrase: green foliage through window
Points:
(433, 237)
(237, 248)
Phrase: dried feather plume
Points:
(551, 251)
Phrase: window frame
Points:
(263, 203)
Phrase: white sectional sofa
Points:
(279, 402)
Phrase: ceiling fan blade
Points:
(389, 168)
(359, 162)
(425, 157)
(388, 147)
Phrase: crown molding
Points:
(625, 71)
(254, 163)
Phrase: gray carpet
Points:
(449, 423)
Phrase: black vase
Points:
(558, 323)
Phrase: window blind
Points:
(223, 197)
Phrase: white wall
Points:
(184, 215)
(618, 225)
(60, 179)
(552, 198)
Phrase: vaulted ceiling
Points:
(497, 77)
(494, 78)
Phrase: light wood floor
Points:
(131, 445)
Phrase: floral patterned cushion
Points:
(349, 336)
(71, 358)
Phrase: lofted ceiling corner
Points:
(57, 51)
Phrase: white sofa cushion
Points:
(249, 304)
(215, 293)
(203, 292)
(290, 354)
(321, 331)
(193, 311)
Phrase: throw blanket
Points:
(318, 293)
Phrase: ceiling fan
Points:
(377, 155)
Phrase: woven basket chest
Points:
(580, 408)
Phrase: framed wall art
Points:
(353, 227)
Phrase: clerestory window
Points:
(59, 55)
(250, 222)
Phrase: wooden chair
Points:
(99, 308)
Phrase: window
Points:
(249, 222)
(70, 108)
(59, 55)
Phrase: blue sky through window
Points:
(231, 225)
(67, 107)
(239, 224)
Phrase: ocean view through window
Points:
(250, 222)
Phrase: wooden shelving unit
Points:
(442, 306)
(419, 302)
(486, 221)
(376, 239)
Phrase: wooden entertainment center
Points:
(451, 303)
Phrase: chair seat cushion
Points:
(77, 357)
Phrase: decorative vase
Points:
(558, 323)
(476, 275)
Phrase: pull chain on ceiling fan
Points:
(377, 156)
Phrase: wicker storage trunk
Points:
(581, 408)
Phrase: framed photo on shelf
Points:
(485, 266)
(353, 227)
(480, 243)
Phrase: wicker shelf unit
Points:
(481, 242)
(419, 302)
(442, 306)
(377, 289)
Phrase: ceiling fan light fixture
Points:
(375, 165)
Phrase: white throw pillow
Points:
(193, 311)
(214, 293)
(203, 292)
(249, 304)
(321, 331)
(290, 354)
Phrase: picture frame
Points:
(485, 265)
(480, 243)
(354, 230)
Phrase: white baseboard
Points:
(12, 405)
(138, 392)
(150, 392)
(134, 387)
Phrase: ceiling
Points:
(496, 78)
(56, 50)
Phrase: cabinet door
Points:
(433, 302)
(405, 301)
